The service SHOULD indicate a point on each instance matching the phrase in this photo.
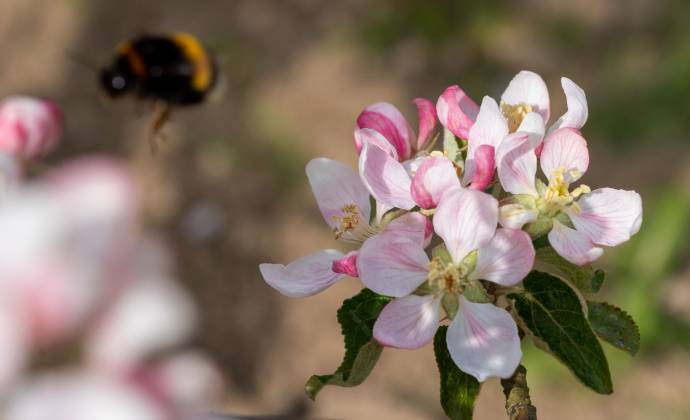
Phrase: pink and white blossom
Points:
(482, 338)
(583, 220)
(29, 127)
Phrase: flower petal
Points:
(346, 265)
(528, 88)
(517, 164)
(573, 245)
(392, 264)
(364, 135)
(306, 276)
(336, 185)
(387, 120)
(490, 128)
(412, 225)
(483, 341)
(484, 167)
(576, 115)
(409, 322)
(608, 216)
(533, 125)
(433, 178)
(426, 111)
(466, 220)
(456, 111)
(515, 216)
(565, 149)
(507, 259)
(385, 177)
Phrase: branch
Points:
(518, 404)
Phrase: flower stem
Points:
(518, 404)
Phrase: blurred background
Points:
(228, 190)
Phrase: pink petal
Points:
(151, 315)
(483, 341)
(466, 220)
(456, 111)
(387, 120)
(335, 186)
(392, 264)
(489, 129)
(385, 177)
(533, 125)
(29, 127)
(577, 113)
(426, 111)
(433, 178)
(507, 259)
(565, 149)
(412, 225)
(528, 88)
(409, 322)
(484, 167)
(515, 216)
(347, 265)
(367, 135)
(306, 276)
(607, 216)
(573, 245)
(517, 164)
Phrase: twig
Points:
(518, 404)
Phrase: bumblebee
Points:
(171, 70)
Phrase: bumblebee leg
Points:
(161, 114)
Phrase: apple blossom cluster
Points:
(81, 283)
(445, 225)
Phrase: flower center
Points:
(515, 114)
(557, 196)
(449, 278)
(350, 225)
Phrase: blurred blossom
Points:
(29, 127)
(76, 265)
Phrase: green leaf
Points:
(585, 278)
(356, 316)
(451, 148)
(458, 389)
(553, 313)
(615, 326)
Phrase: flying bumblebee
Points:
(171, 70)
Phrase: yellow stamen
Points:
(347, 222)
(515, 114)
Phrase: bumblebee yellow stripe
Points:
(135, 60)
(193, 49)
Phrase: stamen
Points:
(515, 114)
(350, 226)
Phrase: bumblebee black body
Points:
(175, 68)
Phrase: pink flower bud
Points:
(29, 127)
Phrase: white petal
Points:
(336, 185)
(516, 164)
(151, 315)
(515, 216)
(385, 177)
(565, 149)
(490, 128)
(533, 125)
(392, 264)
(466, 220)
(82, 396)
(409, 322)
(577, 113)
(306, 276)
(507, 259)
(607, 216)
(367, 135)
(483, 341)
(573, 245)
(528, 88)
